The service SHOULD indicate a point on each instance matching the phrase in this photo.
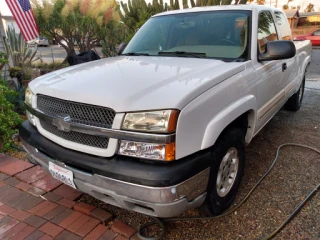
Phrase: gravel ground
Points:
(294, 176)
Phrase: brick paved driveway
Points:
(33, 205)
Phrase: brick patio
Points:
(34, 205)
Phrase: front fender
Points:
(227, 116)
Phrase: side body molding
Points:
(228, 115)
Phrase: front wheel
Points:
(226, 169)
(295, 101)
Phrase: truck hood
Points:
(136, 83)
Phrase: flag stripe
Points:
(15, 17)
(23, 15)
(34, 20)
(32, 26)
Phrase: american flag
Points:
(22, 13)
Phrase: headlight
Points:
(28, 96)
(162, 121)
(28, 101)
(163, 152)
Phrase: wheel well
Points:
(241, 122)
(245, 122)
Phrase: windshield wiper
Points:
(239, 60)
(135, 54)
(182, 54)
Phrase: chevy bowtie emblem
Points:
(62, 123)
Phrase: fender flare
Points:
(306, 64)
(227, 116)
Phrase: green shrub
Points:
(9, 120)
(50, 66)
(3, 60)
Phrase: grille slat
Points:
(77, 137)
(90, 115)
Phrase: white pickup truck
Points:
(162, 127)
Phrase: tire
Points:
(219, 198)
(295, 101)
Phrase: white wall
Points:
(1, 34)
(10, 23)
(4, 71)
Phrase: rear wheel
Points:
(295, 101)
(227, 166)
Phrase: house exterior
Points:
(2, 33)
(4, 71)
(309, 18)
(293, 17)
(8, 21)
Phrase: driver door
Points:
(270, 84)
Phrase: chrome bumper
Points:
(161, 202)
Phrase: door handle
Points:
(284, 66)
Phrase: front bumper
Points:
(156, 189)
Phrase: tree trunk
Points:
(70, 53)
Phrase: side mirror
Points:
(121, 48)
(277, 50)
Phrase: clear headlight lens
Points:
(28, 101)
(163, 152)
(161, 121)
(28, 96)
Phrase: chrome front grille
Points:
(86, 114)
(79, 112)
(77, 137)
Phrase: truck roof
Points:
(249, 7)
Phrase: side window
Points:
(266, 30)
(283, 26)
(316, 33)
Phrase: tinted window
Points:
(266, 30)
(283, 26)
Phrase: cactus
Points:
(16, 47)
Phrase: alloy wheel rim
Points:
(227, 173)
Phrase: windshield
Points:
(220, 34)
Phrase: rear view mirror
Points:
(122, 46)
(277, 50)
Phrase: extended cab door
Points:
(289, 66)
(270, 84)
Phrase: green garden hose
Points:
(161, 222)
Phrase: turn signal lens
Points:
(170, 151)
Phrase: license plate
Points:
(62, 174)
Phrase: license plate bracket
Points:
(62, 174)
